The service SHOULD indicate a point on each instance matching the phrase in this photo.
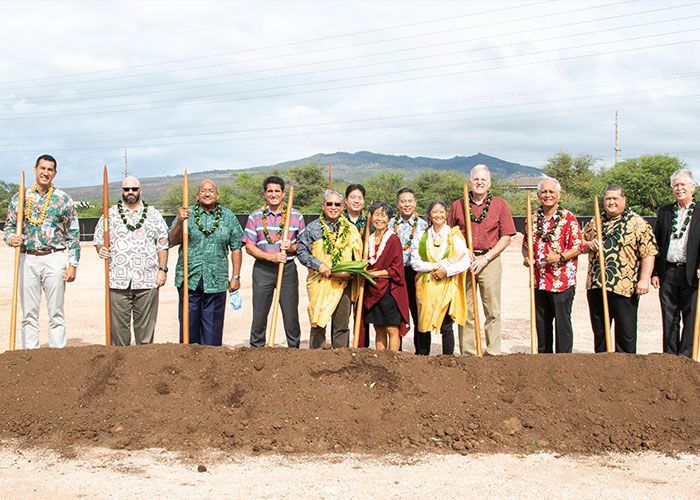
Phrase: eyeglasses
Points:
(333, 204)
(127, 189)
(205, 191)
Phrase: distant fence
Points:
(87, 225)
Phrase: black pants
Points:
(423, 339)
(264, 282)
(677, 303)
(554, 307)
(206, 312)
(410, 276)
(623, 312)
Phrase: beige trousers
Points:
(488, 283)
(37, 274)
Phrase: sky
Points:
(223, 84)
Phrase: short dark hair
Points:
(383, 206)
(433, 205)
(47, 158)
(615, 187)
(353, 187)
(405, 190)
(273, 179)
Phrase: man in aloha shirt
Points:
(50, 227)
(138, 264)
(214, 233)
(556, 238)
(330, 238)
(630, 248)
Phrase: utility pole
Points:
(126, 164)
(617, 149)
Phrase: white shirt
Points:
(452, 265)
(677, 248)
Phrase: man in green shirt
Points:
(213, 232)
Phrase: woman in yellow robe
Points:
(441, 259)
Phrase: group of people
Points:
(419, 265)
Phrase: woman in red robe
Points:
(386, 303)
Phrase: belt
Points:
(480, 252)
(45, 251)
(675, 264)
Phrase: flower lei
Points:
(484, 213)
(30, 201)
(413, 229)
(277, 236)
(612, 229)
(556, 220)
(374, 255)
(681, 230)
(334, 243)
(120, 209)
(362, 219)
(218, 213)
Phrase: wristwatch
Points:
(164, 269)
(236, 277)
(562, 259)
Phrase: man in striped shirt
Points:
(263, 238)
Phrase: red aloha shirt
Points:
(566, 235)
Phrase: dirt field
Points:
(138, 421)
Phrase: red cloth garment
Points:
(390, 260)
(485, 234)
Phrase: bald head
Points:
(207, 194)
(131, 181)
(131, 191)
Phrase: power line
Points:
(82, 97)
(176, 102)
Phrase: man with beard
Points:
(51, 227)
(630, 249)
(138, 260)
(328, 240)
(263, 240)
(213, 232)
(677, 233)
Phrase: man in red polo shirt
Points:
(492, 228)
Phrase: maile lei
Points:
(683, 227)
(334, 243)
(277, 236)
(557, 218)
(484, 213)
(218, 214)
(613, 228)
(397, 218)
(120, 209)
(423, 250)
(30, 201)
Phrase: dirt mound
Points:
(190, 398)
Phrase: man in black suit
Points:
(677, 233)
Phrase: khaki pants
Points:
(340, 325)
(489, 285)
(142, 306)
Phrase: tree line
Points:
(645, 180)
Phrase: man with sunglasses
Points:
(328, 240)
(138, 259)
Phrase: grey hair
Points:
(478, 168)
(683, 172)
(383, 206)
(548, 179)
(329, 192)
(615, 187)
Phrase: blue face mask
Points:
(235, 300)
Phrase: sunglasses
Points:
(126, 190)
(333, 204)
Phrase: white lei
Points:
(372, 257)
(444, 230)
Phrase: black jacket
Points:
(662, 231)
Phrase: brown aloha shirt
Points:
(627, 244)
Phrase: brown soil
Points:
(192, 398)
